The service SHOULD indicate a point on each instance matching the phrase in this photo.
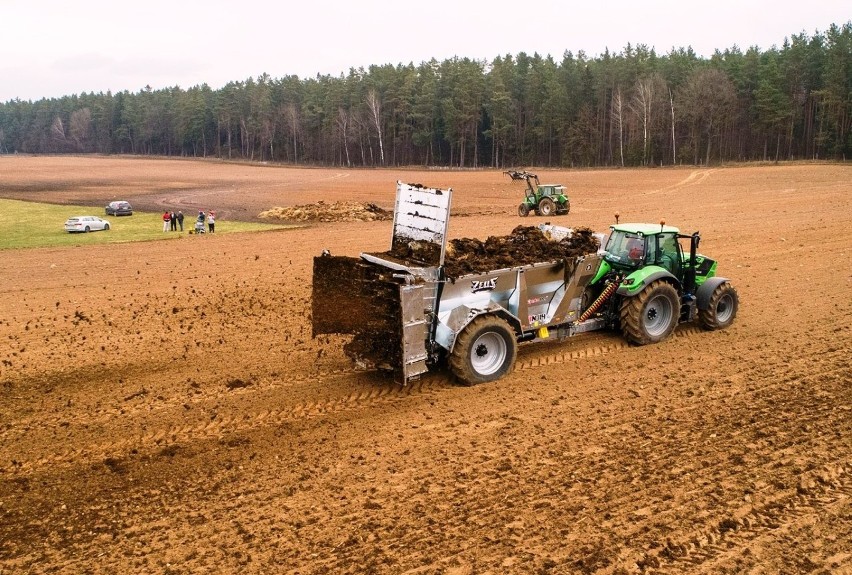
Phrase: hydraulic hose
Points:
(601, 299)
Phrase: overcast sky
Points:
(51, 48)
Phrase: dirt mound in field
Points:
(525, 245)
(329, 212)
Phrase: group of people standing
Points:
(172, 221)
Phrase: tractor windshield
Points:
(625, 248)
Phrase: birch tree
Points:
(618, 120)
(374, 105)
(343, 131)
(291, 117)
(645, 104)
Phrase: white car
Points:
(85, 224)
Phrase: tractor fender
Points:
(636, 282)
(448, 329)
(705, 290)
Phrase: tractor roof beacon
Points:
(543, 199)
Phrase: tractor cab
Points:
(634, 247)
(548, 190)
(631, 246)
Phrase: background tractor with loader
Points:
(543, 199)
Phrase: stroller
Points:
(199, 227)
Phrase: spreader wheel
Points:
(484, 351)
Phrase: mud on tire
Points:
(485, 351)
(721, 309)
(650, 316)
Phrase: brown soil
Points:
(164, 409)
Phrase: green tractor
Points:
(543, 199)
(657, 283)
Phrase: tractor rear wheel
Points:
(485, 351)
(652, 315)
(722, 308)
(546, 207)
(524, 210)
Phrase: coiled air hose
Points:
(601, 299)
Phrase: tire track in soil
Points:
(682, 554)
(817, 411)
(710, 548)
(759, 518)
(685, 442)
(597, 426)
(23, 426)
(695, 178)
(690, 546)
(362, 397)
(359, 399)
(722, 472)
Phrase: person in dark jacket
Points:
(173, 220)
(180, 219)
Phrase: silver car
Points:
(85, 224)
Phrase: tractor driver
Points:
(635, 250)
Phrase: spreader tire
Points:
(652, 315)
(721, 309)
(484, 351)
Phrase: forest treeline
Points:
(633, 108)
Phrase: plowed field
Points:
(163, 408)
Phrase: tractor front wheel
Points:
(485, 351)
(721, 309)
(652, 315)
(546, 207)
(524, 210)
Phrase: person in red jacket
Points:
(167, 220)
